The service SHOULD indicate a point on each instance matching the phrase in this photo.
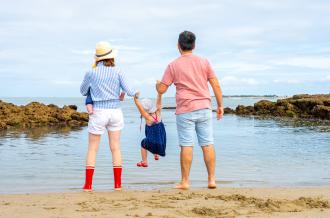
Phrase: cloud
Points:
(83, 52)
(148, 82)
(242, 67)
(66, 82)
(289, 81)
(302, 81)
(235, 81)
(315, 62)
(250, 43)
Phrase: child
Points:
(155, 140)
(89, 101)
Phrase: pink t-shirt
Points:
(190, 74)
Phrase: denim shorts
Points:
(196, 122)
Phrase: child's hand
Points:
(89, 108)
(122, 96)
(137, 95)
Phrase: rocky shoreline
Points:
(36, 114)
(298, 106)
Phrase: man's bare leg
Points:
(186, 155)
(209, 159)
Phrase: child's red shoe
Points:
(156, 156)
(142, 164)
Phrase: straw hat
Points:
(104, 51)
(149, 106)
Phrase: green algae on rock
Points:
(36, 114)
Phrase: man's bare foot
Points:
(183, 186)
(212, 185)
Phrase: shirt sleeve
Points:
(168, 76)
(84, 88)
(124, 85)
(209, 70)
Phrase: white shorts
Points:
(105, 119)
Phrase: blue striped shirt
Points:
(105, 84)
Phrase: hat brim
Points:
(113, 54)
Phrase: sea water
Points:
(251, 152)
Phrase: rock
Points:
(306, 105)
(3, 125)
(228, 110)
(298, 106)
(169, 108)
(37, 114)
(322, 112)
(73, 107)
(264, 107)
(244, 110)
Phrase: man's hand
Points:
(219, 112)
(122, 96)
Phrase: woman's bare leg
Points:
(114, 143)
(93, 147)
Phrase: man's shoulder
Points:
(176, 60)
(192, 56)
(200, 58)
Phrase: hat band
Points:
(103, 54)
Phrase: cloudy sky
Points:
(256, 47)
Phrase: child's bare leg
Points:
(144, 155)
(89, 108)
(156, 156)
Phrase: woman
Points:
(104, 83)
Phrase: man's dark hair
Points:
(187, 41)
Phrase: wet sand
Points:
(222, 202)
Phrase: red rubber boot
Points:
(117, 170)
(89, 178)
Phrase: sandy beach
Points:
(222, 202)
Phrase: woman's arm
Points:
(141, 110)
(84, 88)
(124, 85)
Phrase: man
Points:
(191, 74)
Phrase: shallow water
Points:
(250, 152)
